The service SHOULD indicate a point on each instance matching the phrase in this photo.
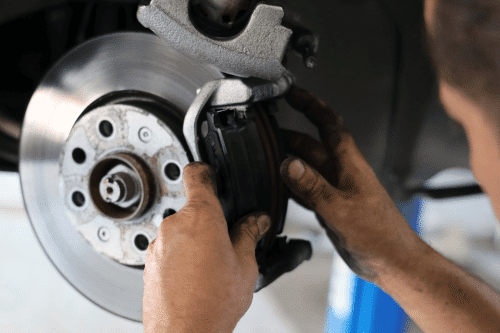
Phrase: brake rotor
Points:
(83, 91)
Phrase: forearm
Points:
(439, 296)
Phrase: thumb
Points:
(309, 185)
(247, 232)
(201, 191)
(199, 183)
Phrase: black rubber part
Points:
(450, 192)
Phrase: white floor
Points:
(35, 298)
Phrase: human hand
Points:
(333, 178)
(198, 277)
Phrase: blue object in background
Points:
(362, 307)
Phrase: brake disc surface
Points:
(112, 63)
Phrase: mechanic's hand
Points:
(197, 277)
(333, 178)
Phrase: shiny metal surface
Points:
(230, 92)
(121, 187)
(191, 121)
(124, 61)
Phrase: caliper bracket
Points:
(256, 51)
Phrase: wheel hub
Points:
(129, 155)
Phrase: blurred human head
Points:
(464, 41)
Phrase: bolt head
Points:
(145, 134)
(103, 234)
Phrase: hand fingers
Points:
(305, 147)
(299, 200)
(246, 233)
(328, 121)
(345, 156)
(315, 109)
(312, 152)
(200, 185)
(310, 186)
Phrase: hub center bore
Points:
(121, 186)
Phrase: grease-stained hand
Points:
(198, 277)
(333, 178)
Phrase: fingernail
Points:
(263, 222)
(296, 169)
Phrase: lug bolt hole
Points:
(78, 199)
(172, 171)
(106, 128)
(168, 212)
(79, 155)
(141, 242)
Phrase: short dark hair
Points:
(465, 47)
